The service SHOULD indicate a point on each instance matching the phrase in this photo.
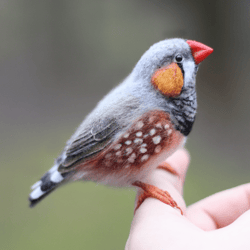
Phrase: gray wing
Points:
(88, 143)
(115, 113)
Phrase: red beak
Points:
(199, 51)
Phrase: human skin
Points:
(220, 221)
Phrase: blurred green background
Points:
(58, 58)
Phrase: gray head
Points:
(164, 53)
(170, 66)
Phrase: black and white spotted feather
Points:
(51, 180)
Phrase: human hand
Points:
(159, 226)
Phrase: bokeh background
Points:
(58, 58)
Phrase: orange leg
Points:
(157, 193)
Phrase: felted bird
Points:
(136, 126)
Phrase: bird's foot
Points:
(155, 192)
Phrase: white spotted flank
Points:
(126, 135)
(118, 153)
(138, 140)
(129, 151)
(152, 131)
(144, 157)
(128, 142)
(108, 155)
(143, 150)
(166, 126)
(158, 125)
(139, 134)
(139, 125)
(157, 139)
(131, 159)
(116, 147)
(158, 149)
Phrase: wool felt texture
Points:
(169, 80)
(121, 113)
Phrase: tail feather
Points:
(49, 182)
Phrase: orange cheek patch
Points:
(169, 80)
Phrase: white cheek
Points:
(189, 68)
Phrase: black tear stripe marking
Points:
(182, 70)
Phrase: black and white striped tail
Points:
(49, 182)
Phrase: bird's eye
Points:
(178, 58)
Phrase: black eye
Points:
(178, 58)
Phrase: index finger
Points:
(154, 218)
(169, 182)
